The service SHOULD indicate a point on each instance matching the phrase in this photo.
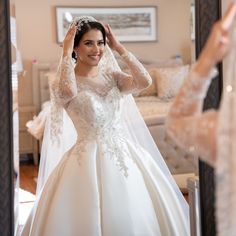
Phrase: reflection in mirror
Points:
(167, 60)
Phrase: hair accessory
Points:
(81, 20)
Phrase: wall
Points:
(36, 33)
(225, 4)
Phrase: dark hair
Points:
(86, 27)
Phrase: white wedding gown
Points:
(105, 185)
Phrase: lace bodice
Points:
(95, 103)
(187, 124)
(93, 113)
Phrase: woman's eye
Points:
(100, 43)
(88, 43)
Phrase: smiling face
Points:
(91, 48)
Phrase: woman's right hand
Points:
(218, 43)
(68, 42)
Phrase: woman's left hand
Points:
(112, 41)
(218, 43)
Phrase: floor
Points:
(28, 182)
(28, 177)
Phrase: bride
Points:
(211, 133)
(113, 180)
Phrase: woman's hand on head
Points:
(112, 41)
(68, 42)
(218, 43)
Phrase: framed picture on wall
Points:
(130, 24)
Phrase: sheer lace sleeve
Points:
(64, 88)
(138, 79)
(187, 124)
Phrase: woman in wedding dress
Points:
(107, 183)
(212, 134)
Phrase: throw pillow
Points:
(169, 80)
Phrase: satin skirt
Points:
(93, 192)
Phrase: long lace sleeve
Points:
(138, 78)
(64, 88)
(187, 124)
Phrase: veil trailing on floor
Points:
(60, 135)
(226, 151)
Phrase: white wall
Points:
(225, 4)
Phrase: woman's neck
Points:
(86, 70)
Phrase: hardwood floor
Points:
(28, 175)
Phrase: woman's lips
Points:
(94, 57)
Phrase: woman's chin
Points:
(94, 62)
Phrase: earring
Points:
(74, 54)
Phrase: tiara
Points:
(81, 20)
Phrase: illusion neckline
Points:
(87, 77)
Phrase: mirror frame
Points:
(6, 133)
(207, 12)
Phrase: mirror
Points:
(29, 57)
(173, 46)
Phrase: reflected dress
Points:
(105, 185)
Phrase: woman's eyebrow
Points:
(90, 40)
